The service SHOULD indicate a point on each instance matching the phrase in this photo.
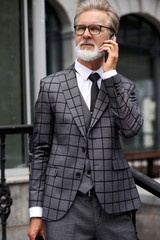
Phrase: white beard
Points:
(88, 55)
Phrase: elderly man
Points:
(81, 186)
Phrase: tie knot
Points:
(94, 77)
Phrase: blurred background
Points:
(37, 39)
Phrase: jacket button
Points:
(89, 172)
(83, 149)
(78, 175)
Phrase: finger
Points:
(110, 48)
(42, 233)
(32, 234)
(106, 47)
(43, 236)
(109, 43)
(114, 39)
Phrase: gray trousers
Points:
(86, 220)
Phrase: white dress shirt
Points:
(84, 85)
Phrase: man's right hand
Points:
(36, 228)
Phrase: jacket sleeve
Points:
(40, 145)
(124, 104)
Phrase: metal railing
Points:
(141, 180)
(5, 196)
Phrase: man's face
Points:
(86, 41)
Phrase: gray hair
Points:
(102, 5)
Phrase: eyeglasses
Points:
(93, 29)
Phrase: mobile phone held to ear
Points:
(105, 56)
(113, 36)
(106, 53)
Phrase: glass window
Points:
(53, 40)
(11, 81)
(139, 40)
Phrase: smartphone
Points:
(106, 53)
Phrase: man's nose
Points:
(87, 34)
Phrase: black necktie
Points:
(94, 89)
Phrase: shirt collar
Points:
(84, 72)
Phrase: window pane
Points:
(53, 40)
(136, 65)
(10, 76)
(139, 62)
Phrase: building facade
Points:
(37, 38)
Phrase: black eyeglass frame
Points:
(84, 28)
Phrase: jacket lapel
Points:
(72, 96)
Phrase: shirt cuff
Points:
(35, 212)
(109, 74)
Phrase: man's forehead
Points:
(92, 16)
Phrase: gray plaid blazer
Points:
(61, 145)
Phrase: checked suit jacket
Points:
(61, 145)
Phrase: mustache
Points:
(86, 42)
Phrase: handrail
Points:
(146, 182)
(5, 196)
(16, 129)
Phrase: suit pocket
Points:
(119, 161)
